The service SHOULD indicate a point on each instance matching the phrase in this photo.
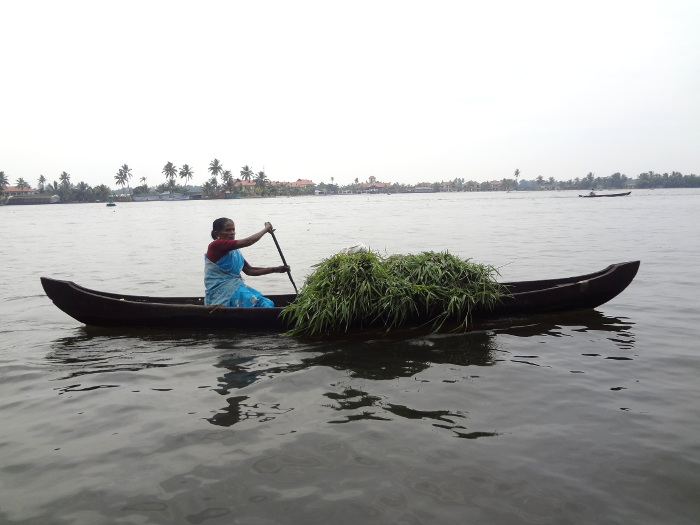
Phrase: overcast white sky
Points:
(408, 91)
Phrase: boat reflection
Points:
(244, 361)
(97, 351)
(392, 359)
(241, 408)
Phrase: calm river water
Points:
(583, 418)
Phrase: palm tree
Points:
(42, 182)
(589, 179)
(101, 192)
(246, 173)
(127, 172)
(64, 178)
(170, 171)
(186, 173)
(81, 190)
(208, 190)
(143, 181)
(508, 184)
(21, 184)
(65, 188)
(215, 168)
(121, 178)
(517, 174)
(3, 182)
(227, 179)
(261, 181)
(123, 175)
(170, 176)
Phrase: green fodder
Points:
(366, 289)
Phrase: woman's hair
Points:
(218, 225)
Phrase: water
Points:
(581, 418)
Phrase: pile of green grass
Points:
(363, 290)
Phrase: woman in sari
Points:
(223, 264)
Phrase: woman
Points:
(223, 264)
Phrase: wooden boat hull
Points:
(525, 298)
(607, 195)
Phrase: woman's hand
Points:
(248, 241)
(255, 271)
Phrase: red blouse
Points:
(218, 248)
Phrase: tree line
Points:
(589, 182)
(617, 180)
(67, 191)
(222, 181)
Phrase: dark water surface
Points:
(589, 417)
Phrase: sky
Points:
(406, 91)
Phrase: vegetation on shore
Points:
(222, 183)
(369, 290)
(68, 192)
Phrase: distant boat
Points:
(35, 198)
(607, 194)
(165, 196)
(111, 202)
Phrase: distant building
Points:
(299, 183)
(28, 195)
(303, 184)
(372, 186)
(422, 187)
(246, 186)
(194, 193)
(14, 191)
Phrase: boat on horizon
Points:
(164, 196)
(593, 195)
(34, 198)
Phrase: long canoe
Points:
(524, 298)
(607, 195)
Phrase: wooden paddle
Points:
(289, 272)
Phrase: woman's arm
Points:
(248, 241)
(255, 271)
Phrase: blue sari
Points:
(224, 285)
